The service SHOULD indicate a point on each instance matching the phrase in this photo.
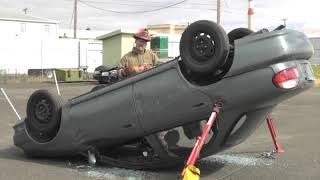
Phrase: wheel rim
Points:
(49, 74)
(203, 46)
(42, 111)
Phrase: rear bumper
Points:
(261, 50)
(246, 108)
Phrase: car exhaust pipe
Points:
(92, 160)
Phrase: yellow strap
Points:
(192, 173)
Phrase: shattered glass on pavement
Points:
(118, 173)
(241, 159)
(264, 159)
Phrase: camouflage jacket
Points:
(143, 61)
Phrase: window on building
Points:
(47, 28)
(23, 27)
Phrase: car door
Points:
(166, 100)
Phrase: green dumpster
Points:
(3, 76)
(69, 74)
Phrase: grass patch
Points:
(24, 78)
(316, 70)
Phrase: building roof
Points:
(81, 34)
(151, 28)
(8, 15)
(114, 33)
(311, 33)
(175, 26)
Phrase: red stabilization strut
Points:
(278, 149)
(200, 141)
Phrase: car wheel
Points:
(204, 47)
(238, 33)
(49, 74)
(43, 115)
(103, 80)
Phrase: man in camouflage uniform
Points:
(139, 59)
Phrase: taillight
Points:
(287, 79)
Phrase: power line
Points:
(133, 12)
(141, 5)
(87, 3)
(175, 5)
(140, 1)
(121, 4)
(131, 1)
(128, 3)
(75, 19)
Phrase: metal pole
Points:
(41, 63)
(79, 54)
(75, 19)
(218, 11)
(4, 93)
(285, 22)
(55, 79)
(250, 13)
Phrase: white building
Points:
(314, 36)
(15, 24)
(29, 42)
(81, 34)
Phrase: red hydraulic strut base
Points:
(278, 149)
(200, 140)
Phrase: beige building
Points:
(167, 29)
(311, 33)
(116, 44)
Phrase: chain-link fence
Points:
(16, 76)
(3, 76)
(19, 76)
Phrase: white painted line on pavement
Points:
(55, 79)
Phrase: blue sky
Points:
(268, 13)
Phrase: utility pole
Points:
(218, 11)
(75, 19)
(25, 10)
(284, 21)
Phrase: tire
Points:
(49, 74)
(43, 115)
(103, 80)
(238, 33)
(204, 47)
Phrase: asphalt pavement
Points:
(297, 122)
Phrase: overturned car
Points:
(151, 120)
